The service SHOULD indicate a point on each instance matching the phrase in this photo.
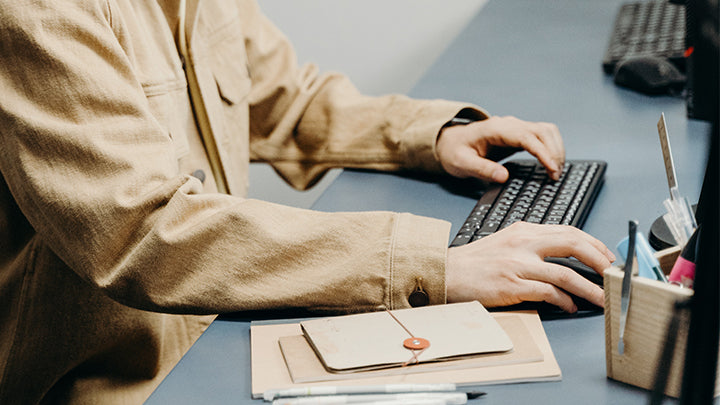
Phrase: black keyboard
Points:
(650, 28)
(530, 195)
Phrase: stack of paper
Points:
(468, 346)
(369, 341)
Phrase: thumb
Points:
(489, 170)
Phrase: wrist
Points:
(458, 121)
(463, 117)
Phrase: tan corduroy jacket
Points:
(111, 250)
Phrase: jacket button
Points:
(418, 298)
(200, 175)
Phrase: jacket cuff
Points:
(419, 252)
(423, 132)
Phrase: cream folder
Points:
(376, 340)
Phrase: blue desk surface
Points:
(538, 60)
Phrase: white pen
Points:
(357, 389)
(405, 402)
(409, 402)
(447, 398)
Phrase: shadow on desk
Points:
(275, 314)
(549, 312)
(545, 310)
(468, 187)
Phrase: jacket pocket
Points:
(167, 106)
(228, 62)
(222, 74)
(233, 84)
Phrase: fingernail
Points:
(611, 256)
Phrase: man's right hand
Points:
(508, 267)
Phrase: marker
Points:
(449, 398)
(358, 389)
(683, 271)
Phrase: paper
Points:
(375, 340)
(268, 369)
(304, 366)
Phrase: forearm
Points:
(304, 122)
(254, 255)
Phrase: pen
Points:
(450, 398)
(408, 402)
(627, 283)
(357, 389)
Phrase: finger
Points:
(562, 240)
(554, 141)
(559, 146)
(568, 280)
(536, 147)
(549, 134)
(534, 290)
(473, 165)
(542, 140)
(488, 170)
(567, 241)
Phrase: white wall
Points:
(384, 46)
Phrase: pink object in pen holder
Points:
(683, 271)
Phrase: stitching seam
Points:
(393, 241)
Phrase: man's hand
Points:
(508, 267)
(473, 150)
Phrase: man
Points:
(126, 128)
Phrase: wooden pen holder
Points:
(651, 308)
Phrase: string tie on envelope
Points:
(415, 344)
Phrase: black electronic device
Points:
(588, 273)
(701, 356)
(647, 28)
(670, 30)
(702, 59)
(584, 307)
(650, 75)
(579, 267)
(530, 195)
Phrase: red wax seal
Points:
(416, 343)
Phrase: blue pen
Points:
(648, 265)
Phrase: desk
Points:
(538, 60)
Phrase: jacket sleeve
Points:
(304, 122)
(97, 178)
